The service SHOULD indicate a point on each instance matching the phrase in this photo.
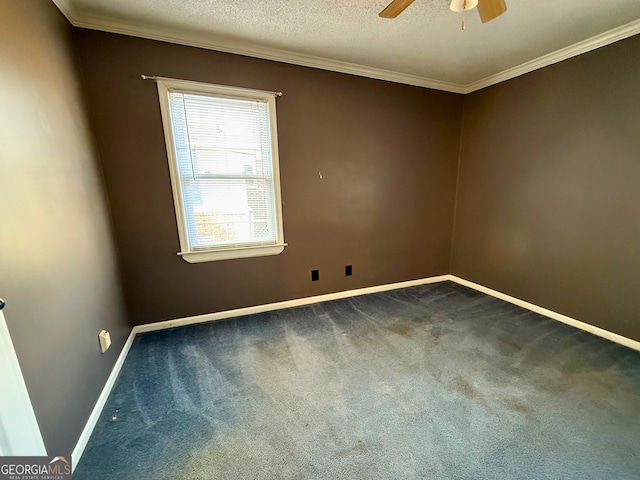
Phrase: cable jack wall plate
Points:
(105, 340)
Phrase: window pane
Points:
(229, 211)
(221, 135)
(223, 151)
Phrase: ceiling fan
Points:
(488, 9)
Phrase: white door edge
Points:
(19, 430)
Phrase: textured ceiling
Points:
(425, 41)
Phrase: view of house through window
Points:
(223, 155)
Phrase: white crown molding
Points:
(67, 9)
(601, 40)
(211, 42)
(202, 40)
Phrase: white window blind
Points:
(224, 167)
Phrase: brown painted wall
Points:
(547, 198)
(387, 153)
(57, 268)
(549, 191)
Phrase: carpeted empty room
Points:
(436, 381)
(319, 239)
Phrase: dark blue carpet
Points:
(436, 381)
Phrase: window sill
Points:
(231, 253)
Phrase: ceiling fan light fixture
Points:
(463, 5)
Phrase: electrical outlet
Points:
(315, 275)
(348, 270)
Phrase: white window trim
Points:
(165, 86)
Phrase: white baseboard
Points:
(104, 395)
(149, 327)
(102, 399)
(209, 317)
(238, 312)
(614, 337)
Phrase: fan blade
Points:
(395, 8)
(490, 9)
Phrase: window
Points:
(223, 156)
